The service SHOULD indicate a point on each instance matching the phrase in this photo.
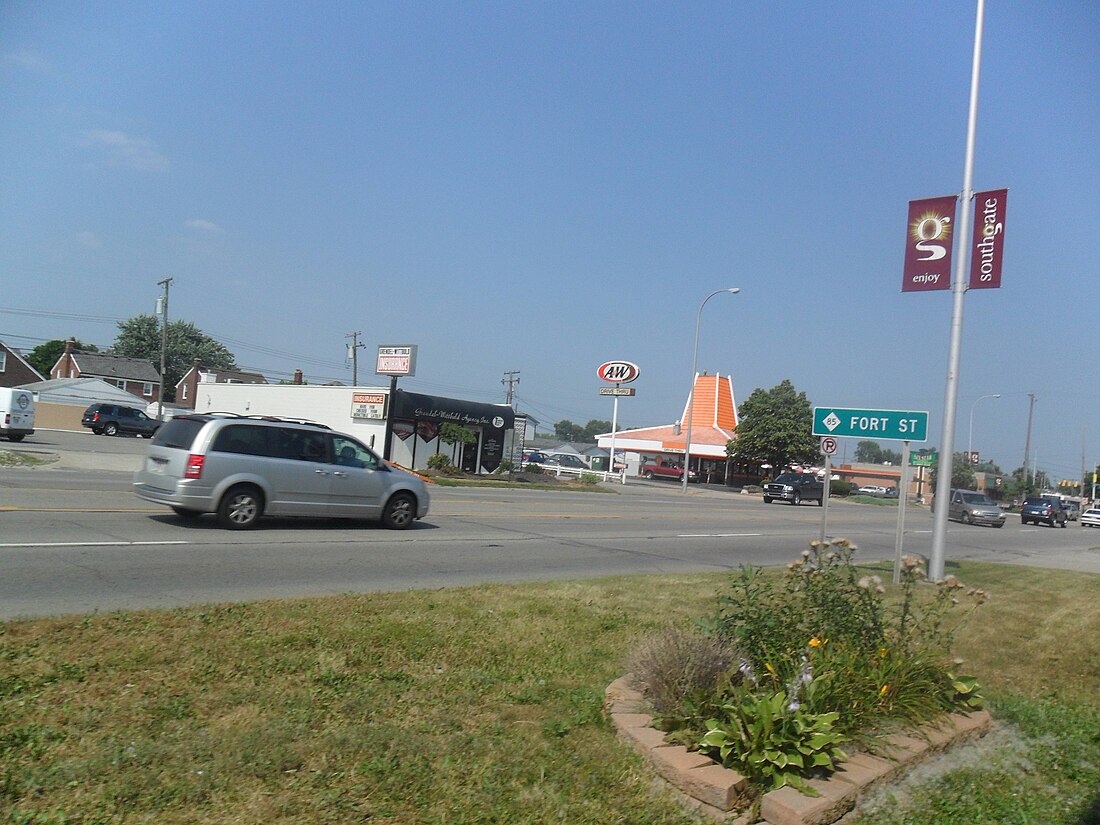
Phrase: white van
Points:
(16, 413)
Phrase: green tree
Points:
(44, 356)
(140, 337)
(869, 452)
(962, 473)
(775, 428)
(455, 434)
(594, 427)
(566, 430)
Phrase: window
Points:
(352, 454)
(183, 392)
(244, 439)
(3, 361)
(147, 389)
(121, 384)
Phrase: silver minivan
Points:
(244, 467)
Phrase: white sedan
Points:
(1091, 517)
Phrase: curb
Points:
(712, 789)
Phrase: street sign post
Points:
(828, 446)
(889, 425)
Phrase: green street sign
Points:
(923, 459)
(891, 425)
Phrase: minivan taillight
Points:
(194, 466)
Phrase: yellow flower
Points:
(883, 691)
(771, 669)
(815, 642)
(882, 652)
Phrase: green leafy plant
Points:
(439, 461)
(589, 478)
(965, 692)
(772, 740)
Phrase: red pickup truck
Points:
(666, 468)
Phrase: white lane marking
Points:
(716, 535)
(92, 543)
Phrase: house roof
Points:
(80, 391)
(713, 423)
(19, 357)
(115, 366)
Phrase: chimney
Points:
(69, 345)
(297, 376)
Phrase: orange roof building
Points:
(713, 423)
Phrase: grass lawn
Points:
(471, 705)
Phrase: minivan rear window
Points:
(178, 433)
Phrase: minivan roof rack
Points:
(280, 418)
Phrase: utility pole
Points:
(163, 312)
(353, 353)
(1027, 442)
(510, 379)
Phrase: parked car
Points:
(794, 487)
(666, 468)
(1046, 509)
(566, 460)
(533, 457)
(112, 419)
(1073, 510)
(891, 492)
(872, 490)
(1091, 517)
(244, 467)
(972, 507)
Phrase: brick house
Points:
(134, 375)
(14, 369)
(187, 388)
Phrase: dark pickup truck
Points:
(795, 488)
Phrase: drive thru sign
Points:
(891, 425)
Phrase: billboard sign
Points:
(929, 233)
(396, 360)
(989, 240)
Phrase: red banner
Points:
(987, 251)
(929, 232)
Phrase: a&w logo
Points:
(618, 372)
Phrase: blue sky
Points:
(543, 187)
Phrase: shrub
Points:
(533, 469)
(841, 488)
(438, 462)
(589, 478)
(674, 665)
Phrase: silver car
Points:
(972, 507)
(244, 467)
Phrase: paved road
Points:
(76, 540)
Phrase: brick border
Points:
(712, 789)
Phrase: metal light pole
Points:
(970, 439)
(163, 343)
(958, 290)
(694, 365)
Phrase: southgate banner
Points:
(928, 238)
(989, 240)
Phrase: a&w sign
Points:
(618, 372)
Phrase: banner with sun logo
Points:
(929, 233)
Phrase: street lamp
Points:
(694, 366)
(970, 439)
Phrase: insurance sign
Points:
(890, 425)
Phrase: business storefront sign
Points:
(423, 414)
(396, 360)
(987, 251)
(929, 232)
(368, 405)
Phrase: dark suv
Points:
(794, 487)
(1046, 509)
(112, 419)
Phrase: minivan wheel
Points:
(241, 507)
(400, 512)
(111, 429)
